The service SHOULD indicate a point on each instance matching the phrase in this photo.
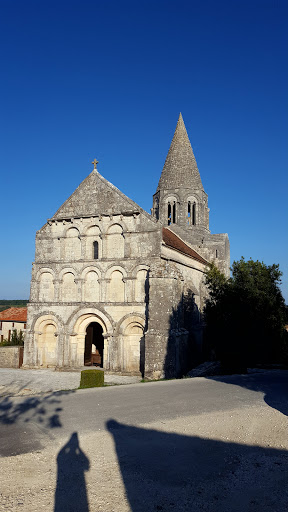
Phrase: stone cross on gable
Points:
(95, 162)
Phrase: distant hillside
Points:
(18, 303)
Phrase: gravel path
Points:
(14, 382)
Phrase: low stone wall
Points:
(11, 357)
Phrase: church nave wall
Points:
(104, 282)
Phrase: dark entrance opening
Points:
(94, 345)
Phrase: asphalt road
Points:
(212, 444)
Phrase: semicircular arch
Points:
(46, 317)
(72, 231)
(131, 318)
(67, 270)
(80, 319)
(44, 270)
(91, 268)
(136, 269)
(171, 197)
(112, 223)
(89, 231)
(114, 267)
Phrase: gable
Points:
(96, 196)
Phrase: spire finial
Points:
(95, 162)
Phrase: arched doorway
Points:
(94, 345)
(78, 324)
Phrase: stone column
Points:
(83, 247)
(77, 358)
(78, 281)
(56, 290)
(104, 295)
(126, 237)
(129, 292)
(108, 350)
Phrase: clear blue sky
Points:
(107, 79)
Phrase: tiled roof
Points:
(14, 315)
(172, 240)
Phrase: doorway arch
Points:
(94, 345)
(79, 326)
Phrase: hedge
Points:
(91, 379)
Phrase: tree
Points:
(17, 338)
(245, 314)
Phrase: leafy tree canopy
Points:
(245, 314)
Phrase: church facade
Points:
(116, 287)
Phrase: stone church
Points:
(119, 288)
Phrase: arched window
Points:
(95, 250)
(171, 213)
(191, 213)
(174, 213)
(194, 214)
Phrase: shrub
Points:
(91, 379)
(5, 343)
(17, 339)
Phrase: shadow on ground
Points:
(171, 472)
(33, 407)
(20, 420)
(72, 463)
(273, 384)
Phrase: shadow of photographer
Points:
(72, 463)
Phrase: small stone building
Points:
(117, 287)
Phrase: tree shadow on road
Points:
(19, 417)
(274, 385)
(171, 472)
(71, 494)
(34, 407)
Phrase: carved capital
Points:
(107, 335)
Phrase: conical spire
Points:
(180, 169)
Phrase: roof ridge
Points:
(117, 190)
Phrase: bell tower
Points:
(180, 200)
